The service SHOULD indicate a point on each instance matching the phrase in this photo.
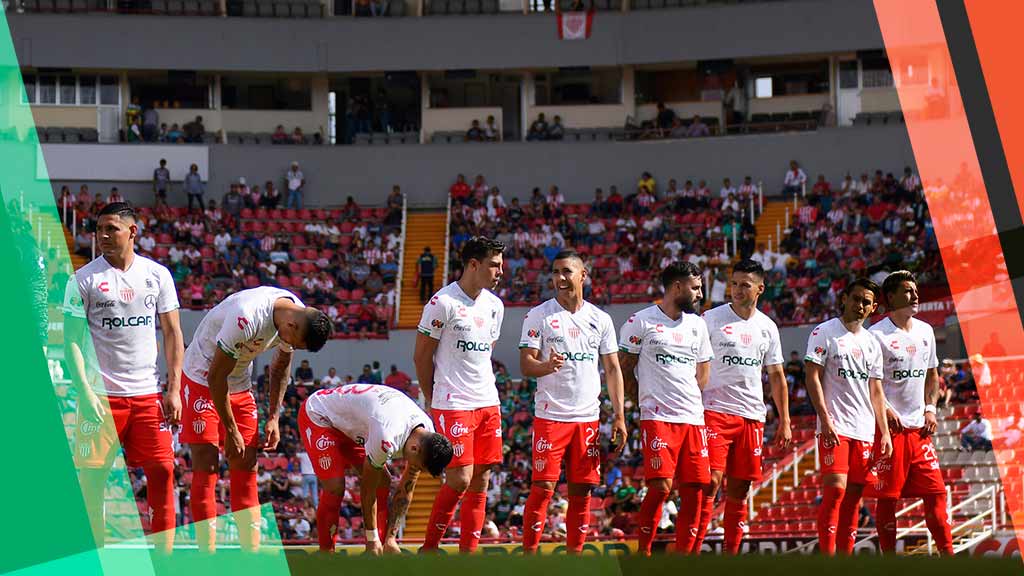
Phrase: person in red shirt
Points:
(460, 190)
(400, 381)
(615, 202)
(821, 187)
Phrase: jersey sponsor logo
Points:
(542, 445)
(533, 333)
(387, 447)
(556, 340)
(579, 356)
(437, 324)
(636, 340)
(904, 374)
(89, 427)
(150, 301)
(149, 282)
(669, 359)
(127, 294)
(325, 462)
(470, 346)
(539, 464)
(462, 328)
(242, 322)
(202, 405)
(104, 304)
(103, 287)
(819, 350)
(126, 322)
(554, 323)
(323, 442)
(458, 429)
(458, 449)
(740, 361)
(852, 374)
(657, 443)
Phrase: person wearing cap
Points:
(296, 181)
(977, 434)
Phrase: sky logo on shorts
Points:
(459, 429)
(543, 445)
(323, 442)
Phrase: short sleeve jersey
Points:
(908, 355)
(573, 393)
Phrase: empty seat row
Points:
(878, 118)
(385, 138)
(61, 5)
(659, 4)
(261, 138)
(461, 7)
(277, 8)
(181, 7)
(56, 134)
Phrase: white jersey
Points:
(848, 361)
(571, 394)
(242, 326)
(121, 309)
(667, 368)
(908, 357)
(467, 330)
(742, 348)
(378, 418)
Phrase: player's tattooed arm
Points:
(628, 362)
(399, 505)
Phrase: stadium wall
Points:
(438, 43)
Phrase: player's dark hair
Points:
(865, 283)
(319, 329)
(893, 281)
(480, 248)
(750, 267)
(568, 253)
(679, 271)
(120, 209)
(437, 453)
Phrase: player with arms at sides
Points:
(118, 297)
(457, 332)
(666, 354)
(564, 342)
(365, 426)
(218, 407)
(844, 382)
(911, 384)
(745, 341)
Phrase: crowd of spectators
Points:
(865, 227)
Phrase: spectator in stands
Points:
(83, 242)
(665, 119)
(161, 180)
(491, 131)
(795, 179)
(304, 374)
(821, 188)
(599, 207)
(553, 204)
(475, 133)
(114, 196)
(162, 134)
(232, 202)
(425, 268)
(697, 128)
(175, 134)
(399, 380)
(910, 183)
(271, 196)
(194, 187)
(296, 185)
(297, 136)
(647, 182)
(195, 130)
(495, 204)
(332, 380)
(279, 136)
(460, 190)
(150, 123)
(678, 129)
(727, 189)
(394, 204)
(615, 201)
(556, 131)
(366, 377)
(977, 434)
(538, 129)
(735, 102)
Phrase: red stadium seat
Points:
(343, 295)
(346, 227)
(352, 310)
(206, 252)
(262, 214)
(247, 213)
(165, 238)
(291, 214)
(298, 241)
(358, 294)
(161, 252)
(258, 226)
(276, 214)
(251, 281)
(284, 281)
(366, 213)
(305, 214)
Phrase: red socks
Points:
(383, 492)
(828, 518)
(846, 531)
(707, 507)
(474, 506)
(937, 518)
(687, 529)
(735, 521)
(327, 519)
(245, 505)
(577, 523)
(160, 494)
(440, 516)
(885, 520)
(650, 515)
(534, 515)
(204, 508)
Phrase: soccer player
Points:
(744, 340)
(669, 348)
(120, 295)
(218, 406)
(563, 343)
(367, 425)
(457, 332)
(911, 384)
(844, 382)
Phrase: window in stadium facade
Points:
(65, 89)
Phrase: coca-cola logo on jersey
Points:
(323, 442)
(658, 443)
(202, 405)
(543, 445)
(459, 429)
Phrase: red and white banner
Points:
(575, 25)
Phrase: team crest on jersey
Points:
(656, 463)
(127, 294)
(84, 450)
(677, 337)
(746, 338)
(478, 321)
(539, 464)
(325, 462)
(458, 449)
(857, 353)
(911, 350)
(574, 332)
(199, 426)
(829, 459)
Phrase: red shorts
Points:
(200, 423)
(735, 445)
(577, 442)
(850, 457)
(330, 451)
(911, 472)
(475, 435)
(135, 423)
(674, 450)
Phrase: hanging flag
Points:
(575, 25)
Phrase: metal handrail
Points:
(401, 261)
(447, 238)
